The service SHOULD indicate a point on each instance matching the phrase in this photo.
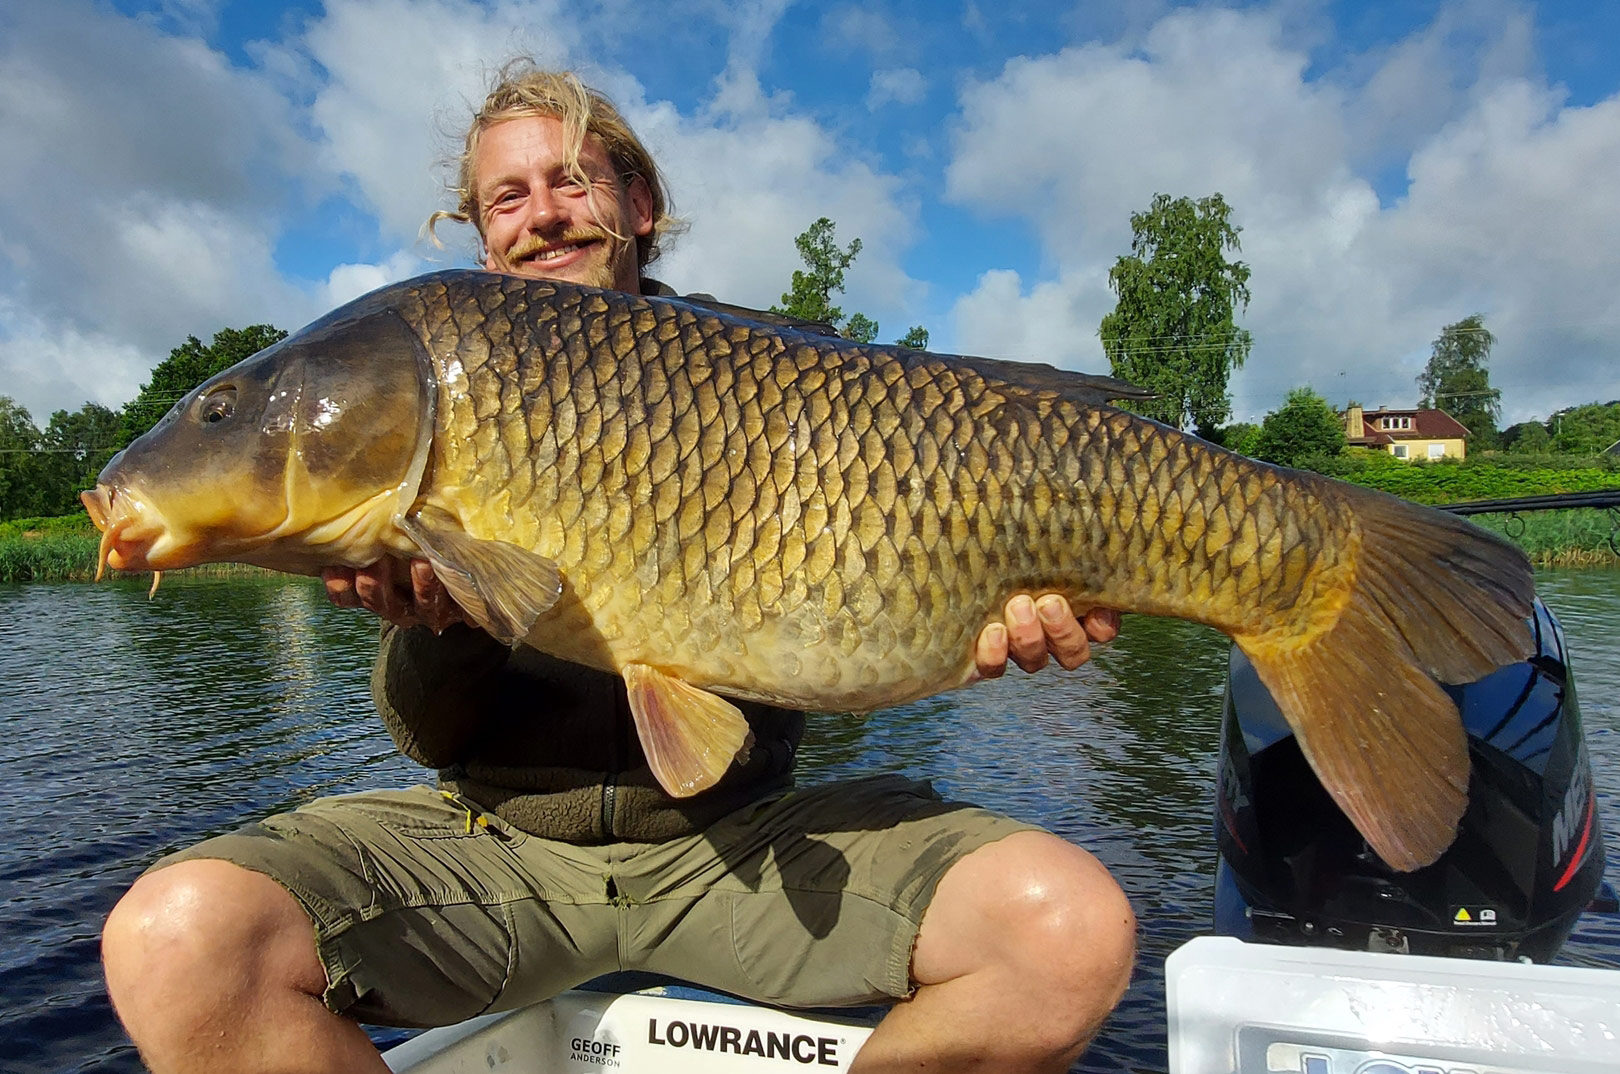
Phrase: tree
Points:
(860, 328)
(74, 449)
(1527, 438)
(1458, 381)
(1172, 330)
(1303, 429)
(1242, 437)
(19, 460)
(810, 297)
(1585, 430)
(187, 366)
(916, 338)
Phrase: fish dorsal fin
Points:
(504, 588)
(689, 735)
(1089, 389)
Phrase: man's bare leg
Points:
(1024, 951)
(213, 967)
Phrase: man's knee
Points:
(1061, 909)
(204, 928)
(1042, 913)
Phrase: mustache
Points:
(531, 245)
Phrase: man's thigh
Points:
(427, 911)
(810, 899)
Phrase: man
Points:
(548, 855)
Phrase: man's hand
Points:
(1036, 628)
(404, 593)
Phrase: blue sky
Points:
(176, 166)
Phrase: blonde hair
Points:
(522, 89)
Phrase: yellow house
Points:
(1407, 434)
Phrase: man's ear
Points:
(641, 206)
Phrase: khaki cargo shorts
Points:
(428, 911)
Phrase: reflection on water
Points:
(134, 727)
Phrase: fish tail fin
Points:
(1434, 597)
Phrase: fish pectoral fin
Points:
(503, 587)
(690, 736)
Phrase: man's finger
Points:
(990, 654)
(1065, 638)
(1026, 640)
(379, 593)
(339, 585)
(434, 604)
(1102, 624)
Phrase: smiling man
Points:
(548, 854)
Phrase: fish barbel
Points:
(714, 506)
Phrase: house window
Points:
(1399, 450)
(1395, 423)
(1437, 451)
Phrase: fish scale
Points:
(835, 561)
(716, 506)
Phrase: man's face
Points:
(537, 220)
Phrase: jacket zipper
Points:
(608, 788)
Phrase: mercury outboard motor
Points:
(1528, 857)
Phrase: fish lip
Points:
(98, 503)
(128, 534)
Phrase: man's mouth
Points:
(552, 253)
(534, 248)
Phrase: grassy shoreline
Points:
(64, 549)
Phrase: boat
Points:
(1322, 960)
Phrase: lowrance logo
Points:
(708, 1037)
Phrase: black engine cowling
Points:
(1527, 860)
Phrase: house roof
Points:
(1426, 425)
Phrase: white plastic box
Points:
(1241, 1008)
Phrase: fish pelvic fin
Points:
(690, 736)
(503, 587)
(1434, 597)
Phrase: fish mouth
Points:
(130, 532)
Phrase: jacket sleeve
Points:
(435, 692)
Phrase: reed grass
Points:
(64, 550)
(1578, 537)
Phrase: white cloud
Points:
(902, 85)
(748, 180)
(399, 82)
(998, 318)
(138, 197)
(348, 282)
(1511, 209)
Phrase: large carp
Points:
(710, 505)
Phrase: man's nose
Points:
(544, 208)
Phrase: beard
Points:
(597, 269)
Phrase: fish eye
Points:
(217, 405)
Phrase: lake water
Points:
(134, 727)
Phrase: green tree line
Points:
(43, 471)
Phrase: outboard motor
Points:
(1528, 857)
